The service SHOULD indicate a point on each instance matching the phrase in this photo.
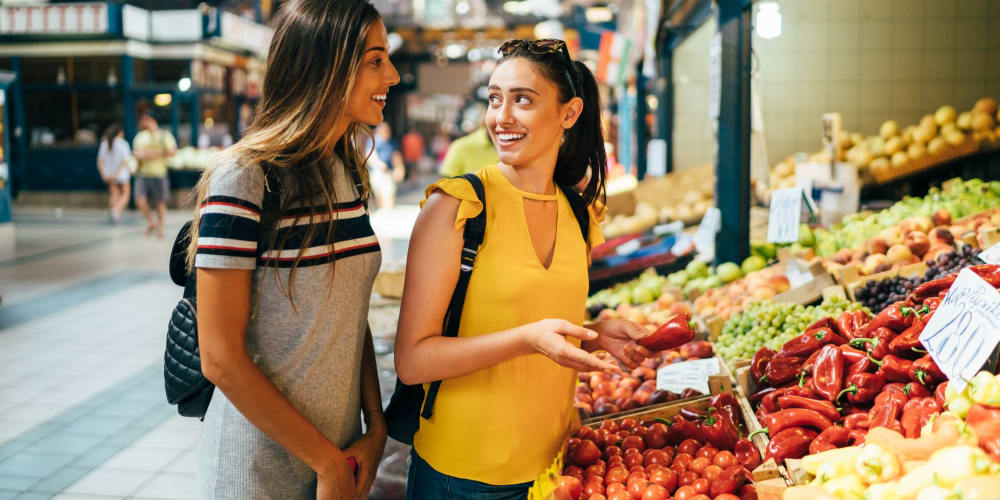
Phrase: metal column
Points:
(641, 130)
(732, 163)
(665, 111)
(18, 158)
(128, 98)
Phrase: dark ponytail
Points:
(583, 144)
(110, 133)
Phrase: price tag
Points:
(628, 247)
(668, 228)
(962, 334)
(797, 274)
(704, 238)
(991, 255)
(786, 211)
(683, 244)
(687, 375)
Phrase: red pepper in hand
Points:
(747, 454)
(894, 368)
(676, 332)
(782, 370)
(887, 409)
(719, 430)
(849, 323)
(759, 363)
(789, 443)
(857, 421)
(916, 413)
(828, 374)
(862, 387)
(925, 371)
(831, 438)
(824, 408)
(795, 417)
(985, 420)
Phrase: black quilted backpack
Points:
(185, 384)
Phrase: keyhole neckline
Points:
(526, 194)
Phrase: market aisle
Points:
(82, 411)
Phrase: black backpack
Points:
(404, 412)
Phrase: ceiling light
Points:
(184, 84)
(768, 20)
(462, 8)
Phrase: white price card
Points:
(669, 228)
(687, 375)
(683, 244)
(963, 333)
(628, 247)
(786, 211)
(991, 255)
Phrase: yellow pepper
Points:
(847, 487)
(876, 464)
(955, 463)
(960, 405)
(834, 469)
(977, 488)
(812, 463)
(934, 493)
(883, 491)
(984, 389)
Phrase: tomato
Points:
(684, 493)
(598, 470)
(637, 487)
(689, 446)
(633, 459)
(655, 492)
(594, 479)
(611, 451)
(601, 438)
(586, 433)
(684, 460)
(615, 487)
(678, 469)
(569, 487)
(708, 451)
(724, 459)
(700, 497)
(616, 462)
(655, 457)
(726, 496)
(686, 478)
(633, 442)
(640, 430)
(711, 472)
(748, 492)
(627, 424)
(616, 475)
(653, 467)
(701, 485)
(670, 451)
(698, 465)
(620, 495)
(637, 468)
(656, 436)
(636, 476)
(665, 478)
(610, 425)
(584, 454)
(573, 470)
(597, 496)
(590, 489)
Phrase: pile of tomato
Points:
(632, 460)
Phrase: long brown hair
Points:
(110, 133)
(313, 60)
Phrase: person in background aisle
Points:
(414, 150)
(385, 166)
(507, 393)
(113, 157)
(152, 146)
(283, 294)
(469, 153)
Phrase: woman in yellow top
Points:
(506, 398)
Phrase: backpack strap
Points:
(269, 205)
(579, 210)
(475, 231)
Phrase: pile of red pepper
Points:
(825, 388)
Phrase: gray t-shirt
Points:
(312, 351)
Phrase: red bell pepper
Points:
(824, 322)
(887, 409)
(680, 429)
(828, 372)
(759, 363)
(795, 417)
(863, 366)
(892, 318)
(857, 421)
(789, 443)
(724, 402)
(747, 454)
(932, 304)
(831, 438)
(916, 414)
(985, 420)
(719, 430)
(759, 395)
(852, 355)
(809, 342)
(858, 436)
(862, 387)
(894, 368)
(850, 322)
(822, 407)
(770, 401)
(905, 343)
(896, 387)
(939, 394)
(762, 413)
(676, 332)
(877, 345)
(925, 371)
(931, 288)
(782, 370)
(914, 390)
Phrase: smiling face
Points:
(375, 75)
(525, 118)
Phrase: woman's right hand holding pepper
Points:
(548, 337)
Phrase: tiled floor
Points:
(82, 410)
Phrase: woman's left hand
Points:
(367, 450)
(618, 336)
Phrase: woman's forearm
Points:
(438, 357)
(371, 391)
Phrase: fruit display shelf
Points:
(969, 147)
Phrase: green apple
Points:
(753, 263)
(697, 269)
(729, 271)
(806, 237)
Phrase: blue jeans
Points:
(425, 483)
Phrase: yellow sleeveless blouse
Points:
(504, 424)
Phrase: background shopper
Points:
(283, 326)
(508, 377)
(113, 157)
(153, 146)
(469, 154)
(386, 167)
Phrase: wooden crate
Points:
(927, 162)
(858, 281)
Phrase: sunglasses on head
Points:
(544, 47)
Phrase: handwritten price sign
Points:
(687, 375)
(963, 332)
(786, 212)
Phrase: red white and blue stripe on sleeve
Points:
(228, 230)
